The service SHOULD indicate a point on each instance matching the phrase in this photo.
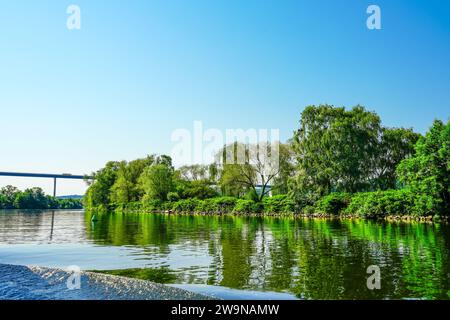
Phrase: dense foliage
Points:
(34, 198)
(427, 173)
(333, 203)
(338, 162)
(345, 151)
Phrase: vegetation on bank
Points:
(339, 162)
(279, 204)
(34, 198)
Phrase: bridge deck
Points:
(44, 175)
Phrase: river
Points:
(240, 257)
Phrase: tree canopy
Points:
(427, 173)
(348, 151)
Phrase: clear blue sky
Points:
(137, 70)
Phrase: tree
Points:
(345, 151)
(395, 145)
(126, 187)
(230, 181)
(8, 195)
(194, 172)
(33, 198)
(157, 181)
(287, 164)
(427, 173)
(335, 150)
(98, 195)
(251, 167)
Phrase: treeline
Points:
(34, 198)
(338, 162)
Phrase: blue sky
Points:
(138, 70)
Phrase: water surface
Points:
(240, 257)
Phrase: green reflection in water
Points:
(160, 275)
(314, 259)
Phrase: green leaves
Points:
(427, 173)
(346, 151)
(34, 198)
(333, 203)
(336, 149)
(157, 181)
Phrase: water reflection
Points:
(313, 259)
(53, 223)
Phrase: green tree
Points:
(231, 182)
(287, 164)
(335, 150)
(98, 195)
(395, 145)
(253, 167)
(8, 195)
(33, 198)
(126, 187)
(194, 172)
(157, 181)
(3, 201)
(427, 173)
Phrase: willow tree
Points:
(253, 167)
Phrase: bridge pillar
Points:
(54, 187)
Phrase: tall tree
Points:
(194, 172)
(335, 149)
(395, 145)
(9, 194)
(98, 195)
(33, 198)
(287, 164)
(157, 181)
(251, 167)
(126, 187)
(428, 171)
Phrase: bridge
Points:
(71, 176)
(46, 175)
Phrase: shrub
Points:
(225, 204)
(247, 206)
(278, 204)
(207, 206)
(152, 205)
(199, 190)
(132, 206)
(173, 196)
(333, 203)
(251, 195)
(186, 205)
(308, 210)
(391, 202)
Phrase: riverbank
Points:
(325, 216)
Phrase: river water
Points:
(240, 257)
